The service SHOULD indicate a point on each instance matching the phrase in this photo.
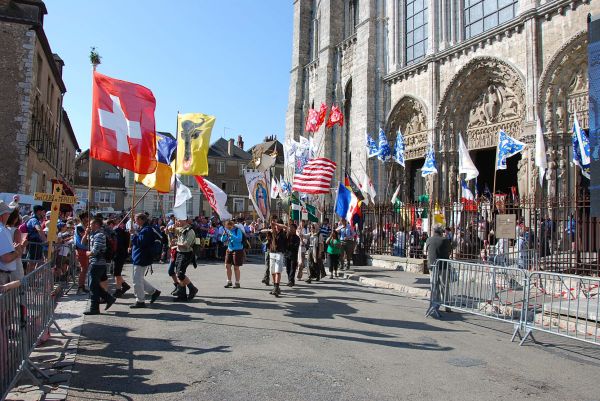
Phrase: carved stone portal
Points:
(409, 116)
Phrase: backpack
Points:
(111, 245)
(245, 241)
(157, 246)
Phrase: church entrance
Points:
(485, 160)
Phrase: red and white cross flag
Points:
(123, 129)
(315, 177)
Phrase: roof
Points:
(268, 147)
(220, 149)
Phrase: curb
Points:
(401, 288)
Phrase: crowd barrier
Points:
(26, 314)
(555, 303)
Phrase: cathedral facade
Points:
(437, 69)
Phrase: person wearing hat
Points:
(36, 237)
(9, 251)
(439, 247)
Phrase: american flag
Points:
(316, 177)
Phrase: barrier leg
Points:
(62, 333)
(528, 333)
(517, 332)
(31, 365)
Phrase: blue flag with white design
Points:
(430, 166)
(399, 149)
(507, 147)
(581, 149)
(372, 149)
(385, 153)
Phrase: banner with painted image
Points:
(258, 191)
(594, 112)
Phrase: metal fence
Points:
(556, 303)
(26, 314)
(559, 232)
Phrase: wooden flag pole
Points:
(133, 204)
(95, 60)
(136, 203)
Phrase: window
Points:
(112, 175)
(104, 197)
(82, 195)
(242, 168)
(351, 20)
(482, 15)
(83, 173)
(234, 187)
(224, 186)
(34, 182)
(221, 167)
(238, 205)
(314, 32)
(416, 30)
(39, 73)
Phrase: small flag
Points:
(312, 121)
(285, 188)
(384, 153)
(371, 145)
(182, 195)
(540, 152)
(507, 147)
(367, 187)
(160, 180)
(321, 116)
(351, 185)
(315, 177)
(465, 163)
(335, 117)
(345, 203)
(274, 188)
(399, 149)
(581, 149)
(429, 167)
(395, 196)
(467, 194)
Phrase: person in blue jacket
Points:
(233, 237)
(142, 242)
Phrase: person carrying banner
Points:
(186, 238)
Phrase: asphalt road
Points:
(333, 340)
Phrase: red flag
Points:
(123, 130)
(322, 115)
(335, 117)
(311, 121)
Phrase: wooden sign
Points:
(56, 198)
(506, 226)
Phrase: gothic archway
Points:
(563, 92)
(409, 115)
(485, 96)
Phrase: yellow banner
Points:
(63, 199)
(160, 180)
(193, 141)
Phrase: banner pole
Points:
(175, 163)
(136, 203)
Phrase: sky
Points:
(227, 58)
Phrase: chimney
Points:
(230, 146)
(240, 142)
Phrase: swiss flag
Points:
(123, 129)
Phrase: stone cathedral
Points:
(437, 68)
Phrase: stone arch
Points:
(409, 115)
(486, 95)
(563, 91)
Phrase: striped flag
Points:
(316, 177)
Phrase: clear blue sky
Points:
(227, 58)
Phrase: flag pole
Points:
(133, 204)
(136, 203)
(494, 187)
(95, 61)
(175, 162)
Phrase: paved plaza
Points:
(332, 340)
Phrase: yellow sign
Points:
(61, 199)
(57, 198)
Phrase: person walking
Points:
(277, 250)
(303, 234)
(439, 247)
(142, 244)
(96, 240)
(234, 255)
(265, 248)
(186, 238)
(314, 250)
(123, 243)
(291, 254)
(347, 237)
(334, 249)
(81, 250)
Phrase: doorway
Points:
(485, 160)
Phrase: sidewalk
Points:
(414, 284)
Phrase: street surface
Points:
(332, 340)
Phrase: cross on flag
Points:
(123, 129)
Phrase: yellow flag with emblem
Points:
(193, 141)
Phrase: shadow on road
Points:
(105, 363)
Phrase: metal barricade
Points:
(11, 333)
(495, 292)
(565, 305)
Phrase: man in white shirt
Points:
(9, 251)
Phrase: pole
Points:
(175, 163)
(494, 187)
(94, 65)
(133, 204)
(136, 203)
